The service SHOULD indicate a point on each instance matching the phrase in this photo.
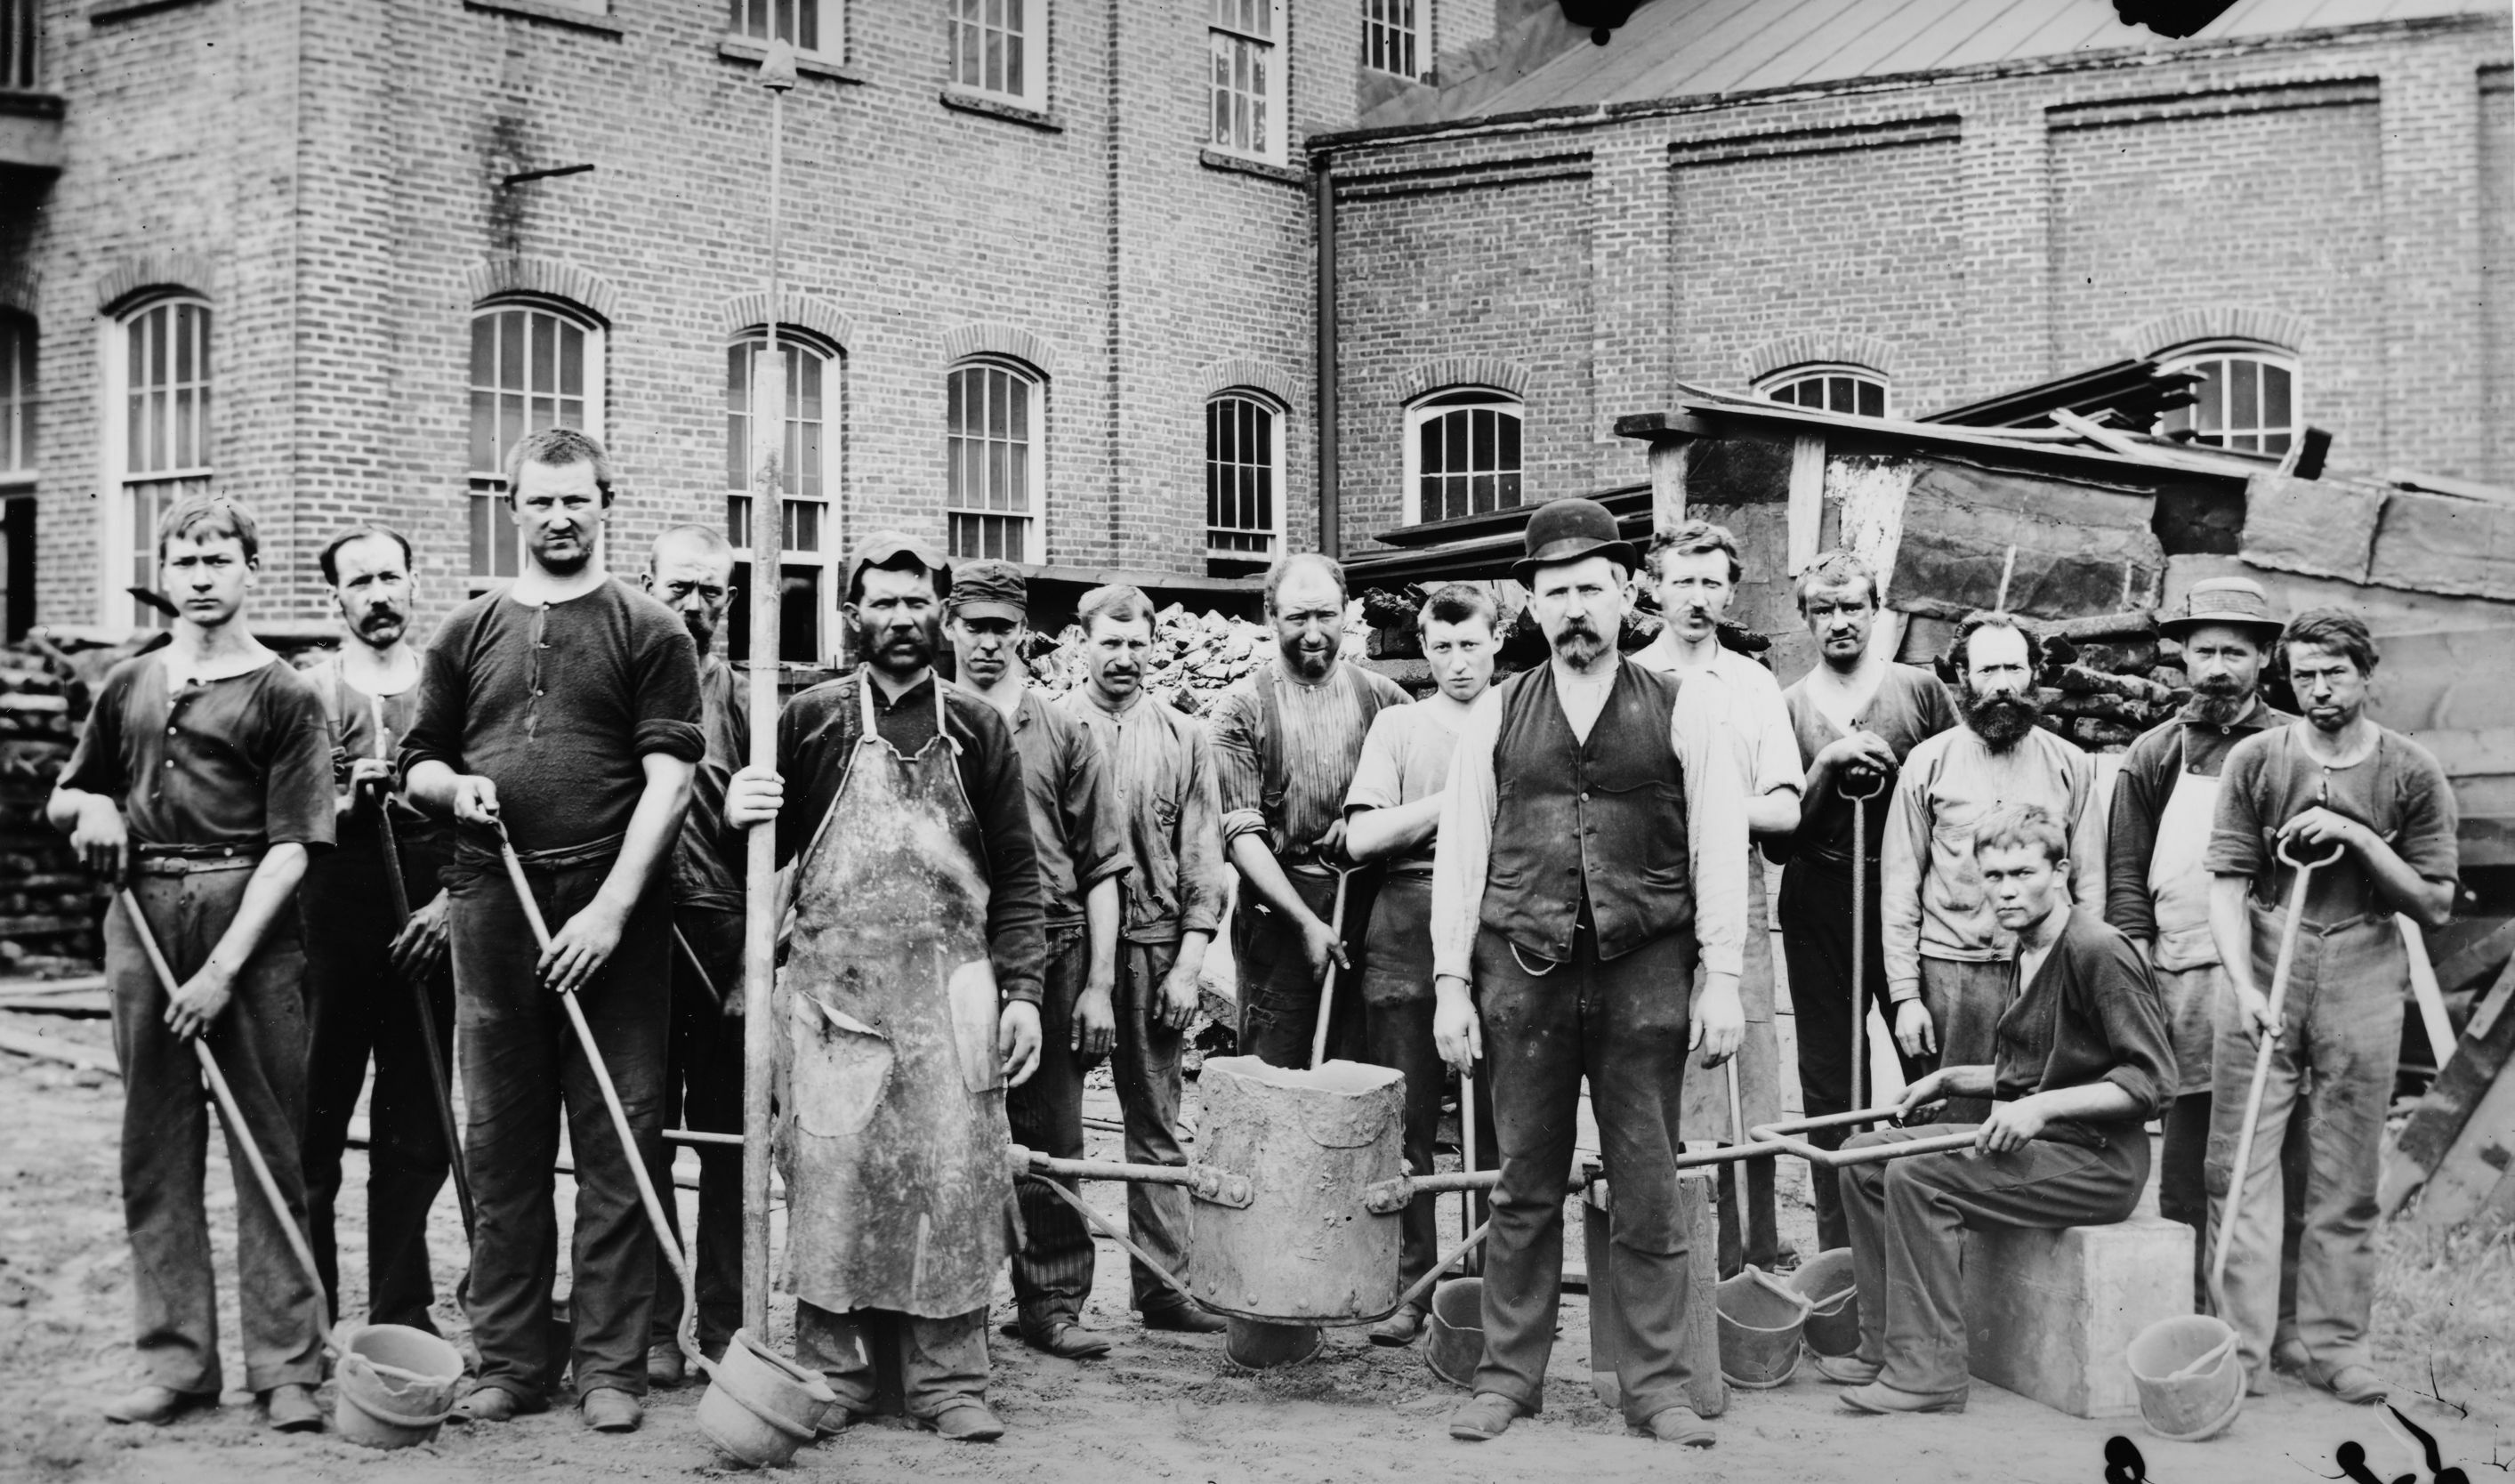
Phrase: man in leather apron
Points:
(908, 1002)
(2157, 893)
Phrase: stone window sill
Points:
(806, 64)
(554, 13)
(997, 107)
(1241, 164)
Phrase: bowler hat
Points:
(880, 547)
(990, 590)
(1567, 530)
(2236, 601)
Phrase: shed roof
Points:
(1691, 48)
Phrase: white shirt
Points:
(1715, 820)
(1750, 710)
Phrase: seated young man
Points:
(2083, 1063)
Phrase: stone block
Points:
(2048, 1314)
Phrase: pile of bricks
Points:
(48, 906)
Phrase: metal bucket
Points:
(395, 1385)
(2191, 1383)
(1454, 1345)
(1833, 1302)
(1305, 1250)
(759, 1407)
(1760, 1318)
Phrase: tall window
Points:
(1244, 477)
(1829, 389)
(807, 25)
(806, 468)
(1389, 36)
(1000, 47)
(18, 400)
(1248, 51)
(20, 43)
(534, 365)
(991, 457)
(1462, 454)
(2247, 398)
(159, 445)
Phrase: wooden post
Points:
(1667, 461)
(760, 884)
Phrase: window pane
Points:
(2275, 392)
(1454, 434)
(1480, 432)
(1428, 442)
(1510, 463)
(1872, 400)
(2210, 413)
(2245, 399)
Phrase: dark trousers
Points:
(523, 1066)
(1053, 1266)
(1965, 1001)
(941, 1362)
(358, 1007)
(703, 1092)
(1149, 1090)
(260, 1043)
(1908, 1222)
(1814, 911)
(1279, 996)
(1622, 1024)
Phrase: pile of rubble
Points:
(1194, 658)
(48, 906)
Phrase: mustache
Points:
(2217, 686)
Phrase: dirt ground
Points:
(1160, 1407)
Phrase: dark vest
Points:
(1602, 820)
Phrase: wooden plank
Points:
(2438, 1119)
(2472, 1169)
(1667, 465)
(2306, 526)
(1807, 501)
(54, 1048)
(2441, 543)
(2473, 961)
(2424, 990)
(2468, 752)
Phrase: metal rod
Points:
(1109, 1170)
(430, 1045)
(665, 1239)
(689, 956)
(760, 881)
(1327, 984)
(1778, 1136)
(699, 1137)
(234, 1115)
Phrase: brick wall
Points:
(1969, 234)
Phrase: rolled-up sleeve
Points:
(1463, 849)
(1203, 882)
(1239, 768)
(1903, 856)
(2133, 1015)
(1715, 827)
(668, 706)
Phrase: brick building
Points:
(1053, 264)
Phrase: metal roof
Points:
(1692, 48)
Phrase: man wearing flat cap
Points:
(2157, 890)
(908, 1001)
(1592, 848)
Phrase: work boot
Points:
(664, 1366)
(964, 1421)
(291, 1409)
(1398, 1329)
(1846, 1370)
(1679, 1424)
(608, 1409)
(2289, 1356)
(1879, 1397)
(1484, 1417)
(492, 1403)
(1185, 1319)
(1061, 1338)
(157, 1406)
(2359, 1385)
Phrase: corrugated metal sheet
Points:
(1691, 48)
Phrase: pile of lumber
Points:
(47, 907)
(2456, 1156)
(1195, 656)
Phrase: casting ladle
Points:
(2305, 869)
(229, 1110)
(1858, 1046)
(687, 1337)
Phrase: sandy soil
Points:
(1161, 1407)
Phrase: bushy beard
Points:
(2001, 718)
(2217, 699)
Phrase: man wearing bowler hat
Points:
(2156, 892)
(1593, 845)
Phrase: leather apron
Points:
(892, 1129)
(2186, 956)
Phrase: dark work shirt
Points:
(2091, 1014)
(2398, 791)
(2149, 771)
(816, 740)
(235, 764)
(708, 858)
(1910, 707)
(352, 715)
(556, 704)
(1074, 822)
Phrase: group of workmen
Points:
(1551, 884)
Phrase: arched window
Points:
(1829, 389)
(535, 363)
(994, 420)
(807, 468)
(1462, 453)
(157, 444)
(1244, 477)
(2247, 396)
